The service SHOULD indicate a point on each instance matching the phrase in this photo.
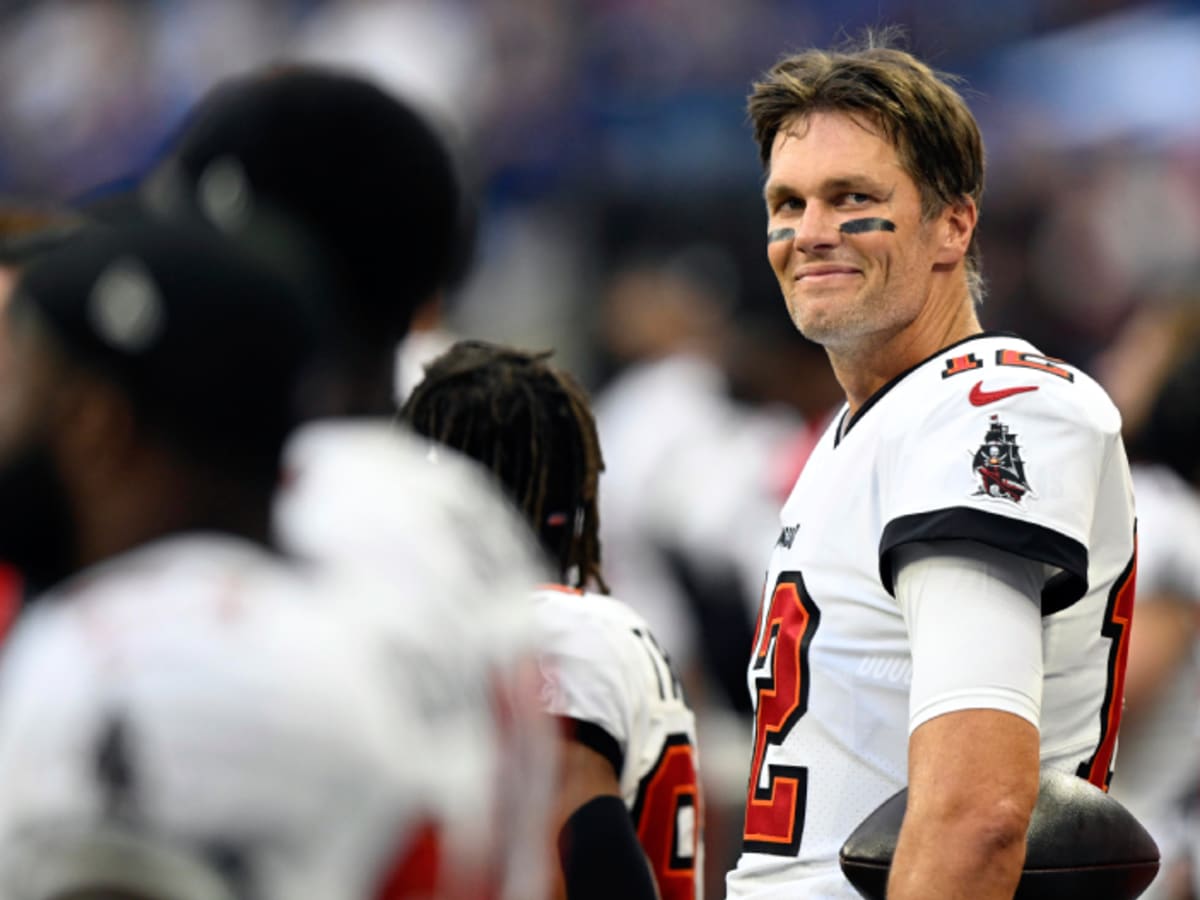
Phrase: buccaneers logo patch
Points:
(999, 466)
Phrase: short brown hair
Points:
(917, 108)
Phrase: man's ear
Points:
(956, 226)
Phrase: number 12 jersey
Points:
(987, 441)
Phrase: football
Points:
(1081, 845)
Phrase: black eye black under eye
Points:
(871, 223)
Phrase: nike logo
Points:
(980, 397)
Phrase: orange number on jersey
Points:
(1117, 618)
(668, 817)
(775, 811)
(959, 364)
(1033, 361)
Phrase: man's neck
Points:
(865, 367)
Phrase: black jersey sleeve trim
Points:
(1021, 538)
(595, 738)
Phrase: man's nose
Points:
(817, 229)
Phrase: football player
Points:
(628, 771)
(949, 599)
(180, 714)
(348, 190)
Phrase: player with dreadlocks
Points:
(537, 436)
(628, 771)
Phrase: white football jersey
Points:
(1160, 748)
(197, 697)
(370, 496)
(988, 441)
(602, 668)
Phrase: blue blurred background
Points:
(572, 118)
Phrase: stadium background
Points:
(561, 109)
(597, 132)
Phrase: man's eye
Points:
(855, 199)
(790, 204)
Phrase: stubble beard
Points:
(837, 324)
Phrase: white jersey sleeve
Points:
(1014, 463)
(589, 673)
(602, 668)
(961, 600)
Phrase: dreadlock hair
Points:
(532, 426)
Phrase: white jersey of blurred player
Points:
(458, 559)
(987, 441)
(1160, 746)
(602, 668)
(195, 700)
(667, 426)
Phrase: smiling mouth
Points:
(825, 274)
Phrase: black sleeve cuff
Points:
(960, 523)
(600, 855)
(595, 738)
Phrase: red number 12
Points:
(775, 811)
(1117, 619)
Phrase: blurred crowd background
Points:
(592, 126)
(616, 218)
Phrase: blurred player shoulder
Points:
(603, 671)
(361, 489)
(369, 500)
(602, 632)
(204, 690)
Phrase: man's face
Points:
(847, 290)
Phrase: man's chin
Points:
(822, 330)
(823, 316)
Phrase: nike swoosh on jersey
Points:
(980, 397)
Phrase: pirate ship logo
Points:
(999, 466)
